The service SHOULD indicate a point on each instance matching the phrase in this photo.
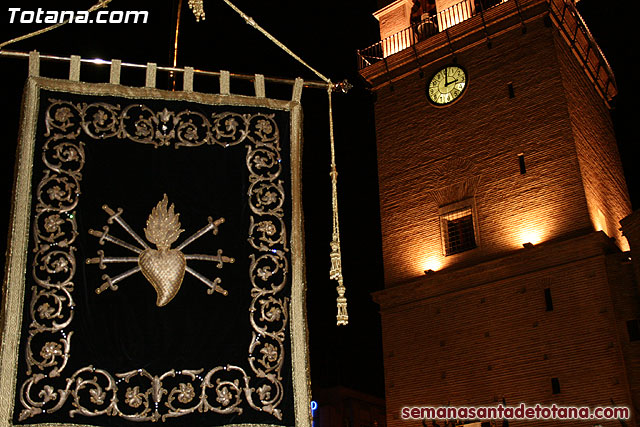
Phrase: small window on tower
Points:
(523, 167)
(458, 230)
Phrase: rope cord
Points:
(249, 20)
(342, 318)
(101, 4)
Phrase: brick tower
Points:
(501, 191)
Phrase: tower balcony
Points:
(408, 43)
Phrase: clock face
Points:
(447, 85)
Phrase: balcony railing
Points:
(428, 26)
(585, 48)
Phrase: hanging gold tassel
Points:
(197, 7)
(342, 318)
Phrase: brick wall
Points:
(431, 156)
(600, 166)
(624, 295)
(494, 337)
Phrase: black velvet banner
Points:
(158, 278)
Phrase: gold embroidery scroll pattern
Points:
(137, 395)
(269, 268)
(54, 264)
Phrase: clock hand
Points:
(451, 82)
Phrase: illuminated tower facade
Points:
(507, 275)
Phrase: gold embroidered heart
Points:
(163, 267)
(164, 270)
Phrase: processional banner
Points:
(155, 268)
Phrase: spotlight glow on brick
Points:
(531, 236)
(432, 263)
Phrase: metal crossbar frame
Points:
(98, 61)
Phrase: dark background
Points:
(326, 35)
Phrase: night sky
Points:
(326, 35)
